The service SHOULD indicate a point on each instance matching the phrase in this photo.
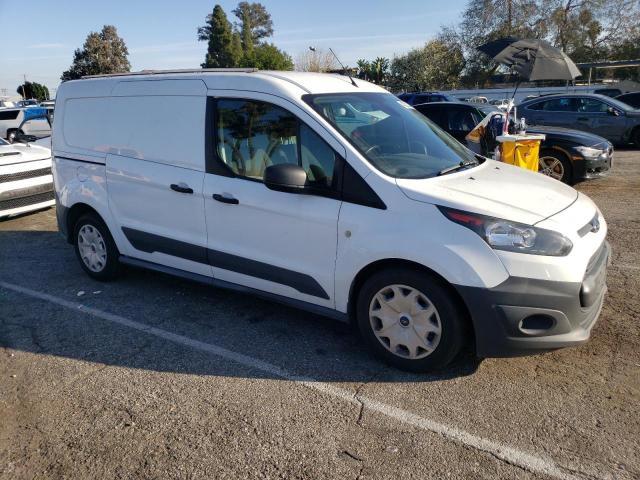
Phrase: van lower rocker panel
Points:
(149, 243)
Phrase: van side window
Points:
(252, 135)
(318, 158)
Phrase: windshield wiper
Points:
(459, 166)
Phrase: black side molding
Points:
(148, 242)
(292, 302)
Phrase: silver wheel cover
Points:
(405, 322)
(93, 250)
(551, 167)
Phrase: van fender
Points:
(429, 240)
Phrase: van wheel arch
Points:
(394, 263)
(74, 214)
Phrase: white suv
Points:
(332, 196)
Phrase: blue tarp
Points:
(34, 112)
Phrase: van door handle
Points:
(223, 199)
(583, 119)
(182, 188)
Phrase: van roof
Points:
(297, 83)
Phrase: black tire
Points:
(452, 318)
(111, 267)
(567, 168)
(635, 137)
(12, 134)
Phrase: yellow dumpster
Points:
(520, 150)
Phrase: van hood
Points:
(20, 153)
(495, 189)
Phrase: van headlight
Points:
(511, 236)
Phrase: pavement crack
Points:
(31, 329)
(352, 456)
(356, 396)
(360, 413)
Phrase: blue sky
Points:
(38, 37)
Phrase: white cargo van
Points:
(332, 196)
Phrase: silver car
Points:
(607, 117)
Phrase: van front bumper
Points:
(524, 316)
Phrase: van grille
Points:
(24, 201)
(12, 177)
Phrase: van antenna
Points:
(343, 67)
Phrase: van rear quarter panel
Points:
(156, 120)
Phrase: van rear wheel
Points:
(410, 319)
(95, 248)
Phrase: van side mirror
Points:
(613, 111)
(285, 177)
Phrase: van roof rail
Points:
(186, 70)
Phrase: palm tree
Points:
(363, 69)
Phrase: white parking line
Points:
(513, 456)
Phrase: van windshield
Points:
(393, 136)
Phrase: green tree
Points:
(246, 38)
(437, 65)
(375, 71)
(222, 50)
(102, 53)
(255, 18)
(33, 90)
(269, 57)
(243, 44)
(364, 68)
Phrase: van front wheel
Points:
(410, 319)
(95, 248)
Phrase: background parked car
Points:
(566, 155)
(604, 116)
(608, 92)
(502, 104)
(479, 100)
(17, 121)
(424, 97)
(632, 99)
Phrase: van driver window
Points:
(252, 135)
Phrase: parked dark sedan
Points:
(566, 155)
(607, 117)
(632, 99)
(415, 98)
